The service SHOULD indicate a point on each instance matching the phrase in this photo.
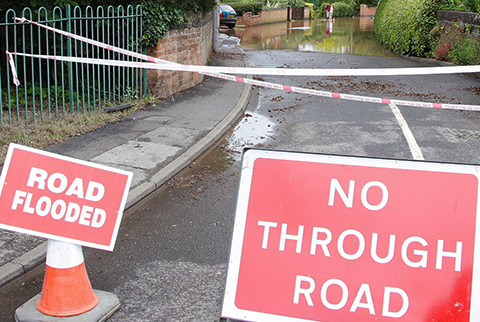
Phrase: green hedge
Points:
(404, 25)
(342, 9)
(242, 7)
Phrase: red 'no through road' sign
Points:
(332, 238)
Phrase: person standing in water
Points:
(329, 10)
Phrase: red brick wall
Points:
(271, 16)
(306, 12)
(249, 20)
(367, 11)
(190, 46)
(274, 15)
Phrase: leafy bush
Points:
(341, 9)
(404, 25)
(466, 51)
(457, 45)
(242, 7)
(312, 8)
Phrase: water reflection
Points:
(343, 36)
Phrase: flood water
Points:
(343, 36)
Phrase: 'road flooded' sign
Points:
(62, 198)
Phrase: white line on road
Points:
(412, 143)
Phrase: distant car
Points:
(228, 16)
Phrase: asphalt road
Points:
(170, 259)
(336, 126)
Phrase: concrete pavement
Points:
(154, 143)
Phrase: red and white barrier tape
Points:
(12, 68)
(217, 72)
(265, 71)
(350, 97)
(294, 89)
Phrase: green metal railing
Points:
(48, 87)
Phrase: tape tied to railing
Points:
(13, 69)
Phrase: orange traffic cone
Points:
(66, 288)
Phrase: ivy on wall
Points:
(161, 16)
(158, 19)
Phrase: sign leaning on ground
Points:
(62, 198)
(333, 238)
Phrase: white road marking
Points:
(412, 143)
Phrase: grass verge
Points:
(54, 131)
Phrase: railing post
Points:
(69, 54)
(145, 51)
(121, 28)
(1, 99)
